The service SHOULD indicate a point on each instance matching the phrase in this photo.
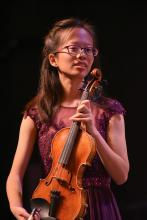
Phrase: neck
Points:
(72, 94)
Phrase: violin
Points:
(60, 196)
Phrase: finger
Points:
(83, 126)
(86, 101)
(37, 216)
(80, 116)
(84, 108)
(85, 120)
(23, 215)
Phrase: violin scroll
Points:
(97, 73)
(94, 87)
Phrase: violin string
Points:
(59, 167)
(72, 134)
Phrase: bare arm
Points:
(114, 153)
(22, 156)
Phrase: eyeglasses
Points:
(74, 50)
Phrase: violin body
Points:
(67, 180)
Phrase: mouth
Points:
(81, 65)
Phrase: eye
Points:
(73, 49)
(88, 50)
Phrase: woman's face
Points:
(73, 61)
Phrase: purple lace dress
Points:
(101, 201)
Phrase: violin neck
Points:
(84, 95)
(69, 144)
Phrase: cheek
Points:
(63, 58)
(65, 61)
(64, 64)
(91, 61)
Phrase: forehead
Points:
(76, 35)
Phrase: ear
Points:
(52, 59)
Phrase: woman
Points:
(69, 55)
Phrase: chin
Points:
(82, 71)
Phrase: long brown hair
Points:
(50, 92)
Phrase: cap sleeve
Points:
(33, 114)
(115, 107)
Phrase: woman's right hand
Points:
(21, 214)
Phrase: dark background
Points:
(122, 32)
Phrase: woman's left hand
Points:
(84, 115)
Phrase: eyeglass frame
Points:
(80, 50)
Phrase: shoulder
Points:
(111, 106)
(33, 113)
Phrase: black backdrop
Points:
(122, 34)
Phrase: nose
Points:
(81, 53)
